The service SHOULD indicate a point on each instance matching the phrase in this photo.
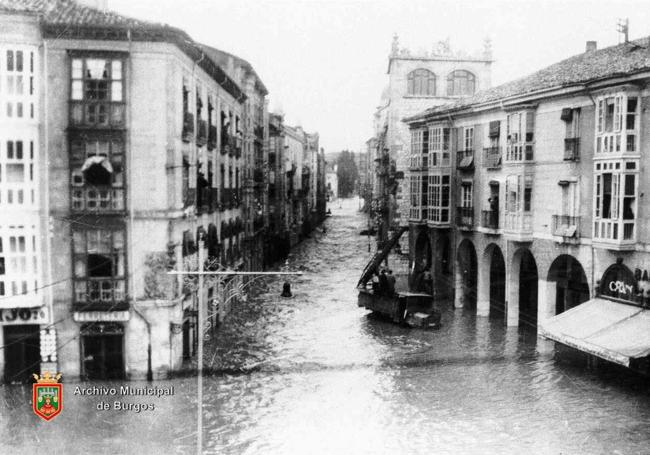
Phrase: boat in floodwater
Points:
(415, 309)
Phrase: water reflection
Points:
(316, 374)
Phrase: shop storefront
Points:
(21, 337)
(614, 325)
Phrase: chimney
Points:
(591, 46)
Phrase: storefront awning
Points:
(613, 331)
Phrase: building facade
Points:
(122, 144)
(526, 199)
(415, 82)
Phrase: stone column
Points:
(483, 287)
(512, 295)
(545, 301)
(459, 294)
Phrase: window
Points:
(421, 82)
(617, 124)
(466, 195)
(419, 148)
(17, 83)
(417, 184)
(18, 262)
(520, 136)
(615, 200)
(97, 92)
(519, 202)
(17, 179)
(461, 83)
(468, 138)
(439, 200)
(439, 153)
(97, 174)
(99, 265)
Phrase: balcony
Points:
(519, 226)
(618, 235)
(85, 114)
(188, 126)
(97, 294)
(418, 214)
(465, 217)
(259, 132)
(238, 147)
(567, 227)
(226, 143)
(212, 137)
(492, 157)
(572, 149)
(465, 160)
(230, 198)
(520, 152)
(202, 133)
(419, 162)
(490, 220)
(97, 199)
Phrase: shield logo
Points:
(47, 397)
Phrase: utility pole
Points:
(199, 353)
(200, 274)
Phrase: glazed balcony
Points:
(86, 114)
(618, 235)
(572, 149)
(519, 226)
(492, 157)
(465, 217)
(419, 162)
(97, 199)
(100, 294)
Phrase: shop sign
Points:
(100, 316)
(619, 282)
(18, 316)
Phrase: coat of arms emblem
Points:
(47, 396)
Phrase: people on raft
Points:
(383, 282)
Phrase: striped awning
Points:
(610, 330)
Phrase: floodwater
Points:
(315, 374)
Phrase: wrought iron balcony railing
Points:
(490, 219)
(465, 217)
(492, 157)
(566, 226)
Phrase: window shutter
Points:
(495, 128)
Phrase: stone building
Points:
(416, 81)
(527, 201)
(122, 143)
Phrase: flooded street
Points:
(316, 374)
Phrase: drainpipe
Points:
(148, 324)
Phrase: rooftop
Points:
(69, 19)
(621, 60)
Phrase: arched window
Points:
(461, 83)
(421, 82)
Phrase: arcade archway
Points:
(571, 285)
